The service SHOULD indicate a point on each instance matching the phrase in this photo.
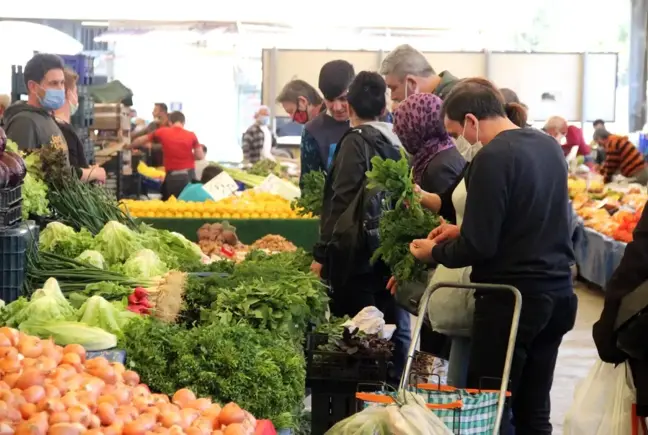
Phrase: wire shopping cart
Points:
(496, 398)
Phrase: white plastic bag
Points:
(451, 310)
(602, 402)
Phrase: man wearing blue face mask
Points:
(258, 139)
(31, 124)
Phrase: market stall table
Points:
(597, 255)
(302, 232)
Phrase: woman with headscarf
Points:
(436, 161)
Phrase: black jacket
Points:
(631, 273)
(346, 177)
(442, 175)
(76, 151)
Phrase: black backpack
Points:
(356, 234)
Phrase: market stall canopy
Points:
(40, 38)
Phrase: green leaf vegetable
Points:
(64, 240)
(116, 242)
(93, 258)
(111, 317)
(144, 264)
(46, 304)
(64, 333)
(34, 195)
(312, 194)
(406, 221)
(261, 372)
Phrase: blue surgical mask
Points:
(265, 120)
(53, 99)
(73, 109)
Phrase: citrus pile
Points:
(249, 205)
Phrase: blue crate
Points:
(82, 65)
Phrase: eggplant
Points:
(3, 140)
(4, 175)
(16, 173)
(21, 162)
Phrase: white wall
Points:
(201, 79)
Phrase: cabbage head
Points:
(93, 258)
(62, 239)
(144, 264)
(116, 242)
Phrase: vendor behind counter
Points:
(180, 148)
(195, 191)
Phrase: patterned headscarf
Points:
(418, 124)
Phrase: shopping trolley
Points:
(502, 393)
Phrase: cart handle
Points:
(511, 342)
(383, 399)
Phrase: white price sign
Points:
(277, 186)
(221, 186)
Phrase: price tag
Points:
(221, 186)
(112, 355)
(277, 186)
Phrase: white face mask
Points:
(468, 150)
(562, 140)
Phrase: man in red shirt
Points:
(180, 150)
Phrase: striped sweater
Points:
(621, 156)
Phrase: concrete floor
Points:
(577, 355)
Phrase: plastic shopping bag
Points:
(602, 402)
(451, 310)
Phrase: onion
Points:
(30, 377)
(230, 414)
(183, 396)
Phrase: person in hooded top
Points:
(31, 124)
(355, 282)
(436, 161)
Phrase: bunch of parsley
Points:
(312, 194)
(403, 220)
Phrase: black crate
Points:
(13, 244)
(11, 217)
(10, 197)
(334, 401)
(326, 366)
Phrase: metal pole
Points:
(488, 64)
(272, 88)
(583, 80)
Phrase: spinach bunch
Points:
(403, 220)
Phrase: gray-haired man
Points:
(408, 72)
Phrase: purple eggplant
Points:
(4, 175)
(21, 162)
(3, 141)
(16, 173)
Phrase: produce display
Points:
(248, 204)
(50, 389)
(312, 194)
(149, 172)
(408, 414)
(609, 212)
(219, 241)
(249, 180)
(12, 166)
(404, 219)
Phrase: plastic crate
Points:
(82, 65)
(10, 197)
(10, 217)
(13, 244)
(340, 366)
(18, 86)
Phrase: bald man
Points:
(556, 127)
(258, 140)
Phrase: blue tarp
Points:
(597, 255)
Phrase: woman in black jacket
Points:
(76, 152)
(342, 257)
(631, 273)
